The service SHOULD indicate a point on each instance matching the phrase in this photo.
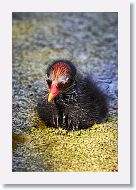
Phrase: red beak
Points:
(54, 91)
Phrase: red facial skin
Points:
(57, 71)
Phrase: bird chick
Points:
(74, 101)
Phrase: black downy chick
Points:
(74, 102)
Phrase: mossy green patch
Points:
(94, 149)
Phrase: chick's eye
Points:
(49, 82)
(63, 83)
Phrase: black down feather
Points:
(82, 105)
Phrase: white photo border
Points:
(123, 174)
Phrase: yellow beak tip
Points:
(50, 97)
